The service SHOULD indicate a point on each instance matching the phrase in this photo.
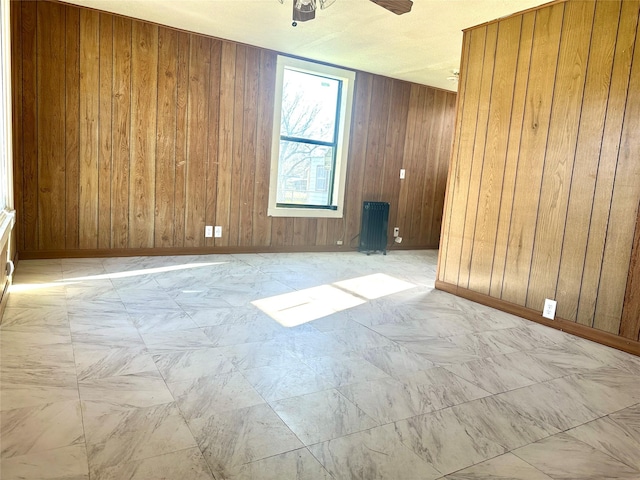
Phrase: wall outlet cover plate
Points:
(549, 310)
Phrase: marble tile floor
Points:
(152, 368)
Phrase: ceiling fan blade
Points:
(326, 3)
(396, 6)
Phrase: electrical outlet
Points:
(396, 232)
(339, 242)
(549, 309)
(218, 231)
(402, 174)
(398, 240)
(208, 231)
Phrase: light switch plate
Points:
(208, 231)
(218, 231)
(402, 173)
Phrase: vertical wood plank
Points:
(494, 156)
(376, 139)
(213, 126)
(630, 323)
(121, 133)
(182, 88)
(29, 220)
(459, 182)
(394, 148)
(249, 132)
(72, 123)
(51, 134)
(226, 135)
(588, 148)
(15, 13)
(89, 140)
(415, 174)
(144, 78)
(357, 154)
(512, 154)
(625, 199)
(166, 137)
(238, 141)
(560, 152)
(601, 201)
(198, 109)
(105, 131)
(453, 163)
(261, 222)
(445, 135)
(478, 159)
(431, 167)
(420, 166)
(403, 198)
(535, 129)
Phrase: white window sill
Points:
(304, 212)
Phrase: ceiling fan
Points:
(304, 10)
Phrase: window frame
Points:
(7, 214)
(343, 131)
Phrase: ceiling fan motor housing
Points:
(304, 10)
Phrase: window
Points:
(312, 115)
(7, 215)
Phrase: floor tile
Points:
(566, 358)
(322, 416)
(179, 366)
(374, 454)
(387, 400)
(179, 340)
(611, 437)
(203, 396)
(233, 438)
(294, 465)
(186, 464)
(442, 351)
(442, 388)
(501, 423)
(259, 354)
(162, 322)
(502, 373)
(97, 361)
(135, 434)
(143, 390)
(396, 360)
(41, 320)
(606, 390)
(67, 463)
(276, 382)
(211, 317)
(564, 457)
(345, 369)
(30, 430)
(445, 441)
(19, 395)
(552, 403)
(504, 467)
(423, 329)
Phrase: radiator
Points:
(373, 232)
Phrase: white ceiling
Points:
(422, 46)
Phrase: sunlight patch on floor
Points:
(295, 308)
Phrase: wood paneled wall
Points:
(136, 136)
(544, 184)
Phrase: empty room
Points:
(319, 239)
